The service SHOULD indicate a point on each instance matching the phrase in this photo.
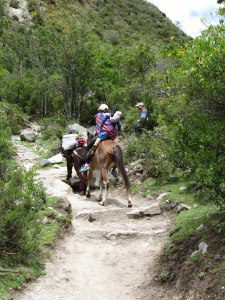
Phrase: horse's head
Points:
(90, 137)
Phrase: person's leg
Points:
(97, 142)
(91, 143)
(90, 153)
(137, 128)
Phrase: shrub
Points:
(52, 128)
(19, 224)
(194, 113)
(157, 156)
(20, 201)
(13, 113)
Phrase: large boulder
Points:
(161, 196)
(78, 129)
(28, 135)
(55, 187)
(151, 210)
(64, 205)
(135, 214)
(44, 162)
(56, 159)
(35, 127)
(182, 207)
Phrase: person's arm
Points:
(119, 125)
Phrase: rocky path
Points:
(107, 256)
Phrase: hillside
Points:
(117, 22)
(68, 56)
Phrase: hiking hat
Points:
(103, 107)
(139, 104)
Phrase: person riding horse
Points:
(107, 127)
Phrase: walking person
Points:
(142, 121)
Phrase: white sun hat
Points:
(103, 107)
(139, 104)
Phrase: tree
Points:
(194, 113)
(76, 66)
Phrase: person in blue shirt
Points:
(141, 123)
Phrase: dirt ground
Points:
(107, 255)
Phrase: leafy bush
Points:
(131, 117)
(194, 113)
(13, 113)
(53, 126)
(52, 129)
(19, 223)
(20, 198)
(155, 148)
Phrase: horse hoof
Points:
(130, 205)
(102, 203)
(88, 196)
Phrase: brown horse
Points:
(107, 156)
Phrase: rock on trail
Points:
(108, 256)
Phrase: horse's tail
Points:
(121, 166)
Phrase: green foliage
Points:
(57, 222)
(75, 56)
(19, 225)
(23, 206)
(131, 116)
(20, 200)
(14, 114)
(188, 221)
(52, 128)
(6, 149)
(165, 275)
(194, 113)
(155, 148)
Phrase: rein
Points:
(75, 152)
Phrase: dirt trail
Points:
(110, 258)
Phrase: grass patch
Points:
(55, 221)
(188, 221)
(153, 188)
(50, 232)
(177, 264)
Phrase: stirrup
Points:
(84, 168)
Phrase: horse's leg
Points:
(129, 199)
(89, 176)
(121, 166)
(101, 187)
(69, 170)
(82, 186)
(106, 185)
